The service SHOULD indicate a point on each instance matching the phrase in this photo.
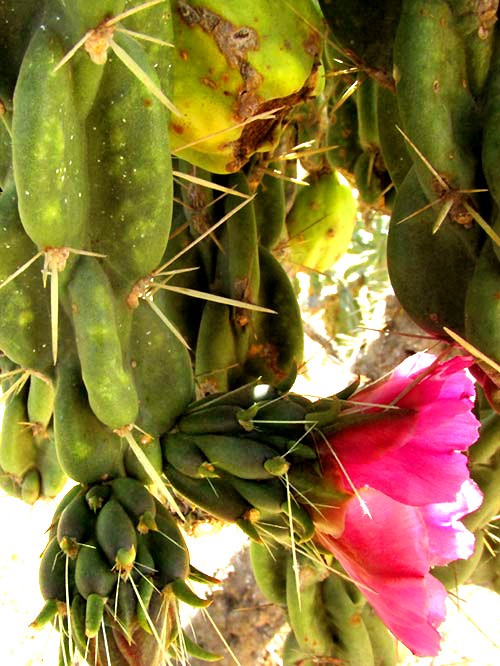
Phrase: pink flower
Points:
(409, 486)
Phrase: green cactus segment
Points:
(94, 614)
(482, 306)
(475, 23)
(31, 486)
(223, 51)
(266, 496)
(52, 476)
(181, 451)
(161, 369)
(436, 106)
(491, 139)
(367, 105)
(155, 22)
(25, 322)
(325, 612)
(182, 311)
(41, 398)
(48, 142)
(277, 347)
(197, 651)
(238, 261)
(74, 525)
(243, 458)
(92, 573)
(151, 448)
(429, 272)
(383, 644)
(46, 615)
(52, 574)
(87, 450)
(87, 14)
(306, 610)
(96, 496)
(129, 169)
(269, 568)
(218, 418)
(353, 642)
(146, 590)
(237, 269)
(216, 362)
(117, 536)
(17, 446)
(135, 499)
(393, 146)
(168, 549)
(293, 653)
(184, 593)
(343, 133)
(321, 222)
(112, 395)
(5, 142)
(215, 496)
(270, 208)
(72, 21)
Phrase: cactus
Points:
(150, 160)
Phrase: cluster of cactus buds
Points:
(153, 212)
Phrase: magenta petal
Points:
(413, 457)
(412, 609)
(412, 475)
(389, 541)
(371, 440)
(446, 425)
(387, 555)
(446, 381)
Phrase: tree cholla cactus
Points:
(166, 167)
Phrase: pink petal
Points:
(387, 389)
(388, 556)
(413, 475)
(372, 439)
(390, 542)
(446, 381)
(446, 425)
(410, 455)
(449, 538)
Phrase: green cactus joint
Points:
(69, 547)
(124, 561)
(247, 526)
(277, 466)
(47, 614)
(245, 417)
(94, 614)
(96, 496)
(146, 522)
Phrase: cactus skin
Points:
(48, 148)
(228, 68)
(321, 222)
